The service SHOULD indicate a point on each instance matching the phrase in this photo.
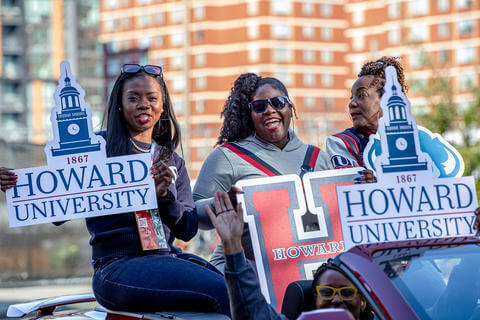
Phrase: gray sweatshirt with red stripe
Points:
(223, 168)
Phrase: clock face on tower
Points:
(401, 144)
(73, 129)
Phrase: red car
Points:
(424, 279)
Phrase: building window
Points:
(393, 10)
(178, 61)
(358, 17)
(252, 7)
(178, 37)
(465, 27)
(443, 5)
(280, 30)
(200, 59)
(110, 25)
(308, 56)
(327, 103)
(177, 15)
(419, 32)
(199, 35)
(284, 76)
(308, 79)
(327, 56)
(465, 55)
(200, 105)
(418, 59)
(307, 8)
(253, 53)
(358, 43)
(309, 102)
(283, 7)
(281, 55)
(178, 84)
(394, 36)
(126, 23)
(158, 41)
(308, 32)
(159, 18)
(144, 21)
(178, 104)
(418, 7)
(463, 4)
(327, 33)
(113, 46)
(443, 56)
(326, 9)
(110, 4)
(200, 82)
(252, 30)
(327, 80)
(144, 42)
(466, 81)
(443, 30)
(199, 12)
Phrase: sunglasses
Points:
(278, 103)
(149, 68)
(344, 293)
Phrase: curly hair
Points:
(237, 122)
(365, 314)
(377, 69)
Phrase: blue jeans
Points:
(152, 283)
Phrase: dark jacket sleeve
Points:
(246, 299)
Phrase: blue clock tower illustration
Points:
(402, 152)
(72, 123)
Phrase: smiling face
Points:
(335, 279)
(364, 106)
(271, 125)
(142, 106)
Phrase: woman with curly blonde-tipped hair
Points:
(346, 148)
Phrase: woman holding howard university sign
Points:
(255, 142)
(133, 271)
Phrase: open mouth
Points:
(272, 124)
(143, 118)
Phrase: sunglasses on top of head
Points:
(278, 103)
(148, 68)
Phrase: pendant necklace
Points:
(136, 146)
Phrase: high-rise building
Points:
(204, 45)
(36, 36)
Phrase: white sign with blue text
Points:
(79, 181)
(407, 202)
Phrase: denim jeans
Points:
(152, 283)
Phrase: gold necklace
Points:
(136, 146)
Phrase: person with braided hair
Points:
(346, 148)
(255, 141)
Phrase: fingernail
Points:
(358, 179)
(241, 192)
(357, 182)
(361, 171)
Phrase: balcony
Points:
(11, 15)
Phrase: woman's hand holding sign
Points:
(476, 224)
(163, 178)
(7, 178)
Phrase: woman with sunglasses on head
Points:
(126, 277)
(255, 141)
(346, 148)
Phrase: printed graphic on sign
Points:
(407, 202)
(79, 181)
(293, 232)
(446, 161)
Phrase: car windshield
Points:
(439, 282)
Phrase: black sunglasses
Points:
(278, 103)
(149, 68)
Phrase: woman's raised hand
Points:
(163, 177)
(7, 178)
(228, 222)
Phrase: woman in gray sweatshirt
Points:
(255, 142)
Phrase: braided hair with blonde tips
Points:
(377, 69)
(237, 122)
